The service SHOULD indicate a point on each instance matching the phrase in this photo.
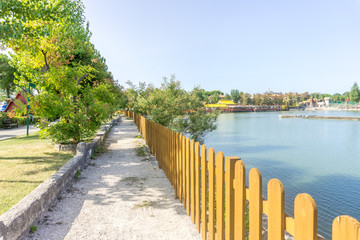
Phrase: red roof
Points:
(11, 105)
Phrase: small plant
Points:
(145, 204)
(77, 174)
(33, 228)
(92, 156)
(140, 151)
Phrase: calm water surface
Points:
(318, 157)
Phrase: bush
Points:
(21, 121)
(3, 115)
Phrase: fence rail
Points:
(216, 198)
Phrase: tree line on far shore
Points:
(271, 98)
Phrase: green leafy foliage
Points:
(6, 75)
(355, 93)
(52, 49)
(33, 228)
(173, 107)
(235, 95)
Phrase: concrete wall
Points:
(17, 221)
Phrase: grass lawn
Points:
(25, 162)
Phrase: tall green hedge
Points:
(21, 121)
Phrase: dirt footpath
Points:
(120, 195)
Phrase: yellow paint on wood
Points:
(219, 196)
(203, 193)
(290, 225)
(192, 179)
(187, 160)
(305, 212)
(276, 210)
(255, 204)
(239, 210)
(345, 228)
(183, 162)
(229, 197)
(197, 186)
(211, 166)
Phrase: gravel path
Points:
(118, 196)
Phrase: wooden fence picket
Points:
(197, 185)
(276, 210)
(211, 167)
(255, 204)
(345, 227)
(192, 180)
(220, 195)
(204, 199)
(305, 212)
(240, 197)
(198, 178)
(229, 196)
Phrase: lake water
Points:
(318, 157)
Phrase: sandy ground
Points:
(118, 196)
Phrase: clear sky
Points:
(253, 46)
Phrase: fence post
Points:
(229, 197)
(177, 159)
(187, 160)
(345, 227)
(203, 192)
(183, 161)
(255, 205)
(197, 185)
(305, 217)
(192, 180)
(220, 196)
(211, 167)
(276, 206)
(240, 196)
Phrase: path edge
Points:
(16, 222)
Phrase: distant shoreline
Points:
(342, 108)
(320, 117)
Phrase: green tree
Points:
(173, 107)
(235, 95)
(52, 49)
(6, 75)
(214, 98)
(227, 97)
(355, 93)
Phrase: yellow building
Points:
(222, 104)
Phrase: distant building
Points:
(327, 101)
(227, 102)
(273, 93)
(11, 105)
(221, 104)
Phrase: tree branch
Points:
(46, 67)
(80, 79)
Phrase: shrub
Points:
(3, 115)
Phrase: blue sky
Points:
(253, 46)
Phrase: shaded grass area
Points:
(25, 162)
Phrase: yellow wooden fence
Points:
(215, 198)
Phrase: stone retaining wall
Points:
(17, 221)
